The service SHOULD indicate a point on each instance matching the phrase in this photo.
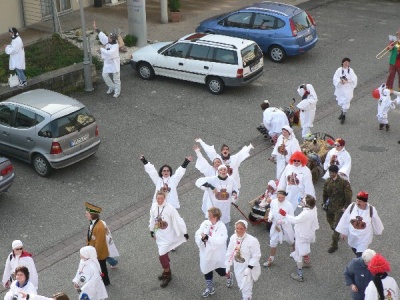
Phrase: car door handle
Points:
(206, 67)
(29, 139)
(181, 64)
(6, 133)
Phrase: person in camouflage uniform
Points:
(336, 197)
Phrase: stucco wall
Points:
(10, 14)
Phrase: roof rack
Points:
(200, 41)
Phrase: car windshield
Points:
(165, 47)
(67, 124)
(301, 21)
(250, 54)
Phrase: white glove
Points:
(279, 222)
(247, 271)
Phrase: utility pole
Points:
(137, 20)
(86, 62)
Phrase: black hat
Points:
(345, 59)
(333, 168)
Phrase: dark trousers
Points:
(103, 267)
(358, 254)
(220, 271)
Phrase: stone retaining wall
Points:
(62, 80)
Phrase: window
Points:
(178, 50)
(251, 54)
(267, 22)
(240, 20)
(67, 124)
(301, 21)
(6, 112)
(226, 56)
(201, 52)
(25, 118)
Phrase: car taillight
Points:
(55, 148)
(239, 73)
(97, 131)
(311, 18)
(293, 28)
(7, 170)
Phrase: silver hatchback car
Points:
(47, 129)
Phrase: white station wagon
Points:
(211, 59)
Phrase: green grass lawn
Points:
(44, 56)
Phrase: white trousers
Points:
(114, 83)
(305, 131)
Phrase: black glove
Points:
(144, 160)
(152, 233)
(205, 238)
(207, 185)
(186, 236)
(185, 163)
(250, 267)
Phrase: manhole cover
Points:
(372, 148)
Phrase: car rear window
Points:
(67, 124)
(251, 54)
(225, 56)
(301, 21)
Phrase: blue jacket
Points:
(357, 273)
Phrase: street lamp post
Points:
(86, 62)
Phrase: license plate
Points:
(79, 140)
(309, 38)
(255, 67)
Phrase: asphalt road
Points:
(161, 119)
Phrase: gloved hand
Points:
(152, 234)
(84, 296)
(186, 236)
(247, 271)
(279, 222)
(282, 212)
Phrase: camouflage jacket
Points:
(338, 192)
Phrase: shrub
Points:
(174, 5)
(130, 40)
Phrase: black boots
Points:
(381, 126)
(342, 118)
(166, 279)
(387, 127)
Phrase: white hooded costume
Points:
(307, 107)
(385, 104)
(342, 159)
(274, 119)
(284, 231)
(344, 91)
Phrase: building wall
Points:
(10, 15)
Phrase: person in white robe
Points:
(17, 55)
(244, 254)
(19, 257)
(359, 223)
(307, 106)
(87, 280)
(385, 104)
(296, 179)
(168, 229)
(112, 61)
(20, 285)
(211, 239)
(207, 170)
(165, 180)
(286, 145)
(222, 190)
(382, 286)
(340, 157)
(274, 119)
(281, 229)
(231, 161)
(57, 296)
(345, 81)
(305, 225)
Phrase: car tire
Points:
(276, 53)
(215, 85)
(146, 71)
(41, 165)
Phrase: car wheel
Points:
(146, 71)
(41, 165)
(215, 85)
(276, 53)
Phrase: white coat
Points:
(29, 288)
(17, 54)
(390, 289)
(251, 252)
(343, 161)
(110, 55)
(89, 280)
(385, 104)
(22, 260)
(274, 119)
(297, 182)
(212, 253)
(233, 162)
(224, 205)
(307, 107)
(172, 236)
(360, 238)
(344, 92)
(286, 232)
(172, 182)
(291, 145)
(207, 170)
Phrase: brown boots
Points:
(165, 277)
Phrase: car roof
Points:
(283, 9)
(46, 101)
(217, 40)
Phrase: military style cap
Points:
(92, 208)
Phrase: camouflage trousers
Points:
(333, 218)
